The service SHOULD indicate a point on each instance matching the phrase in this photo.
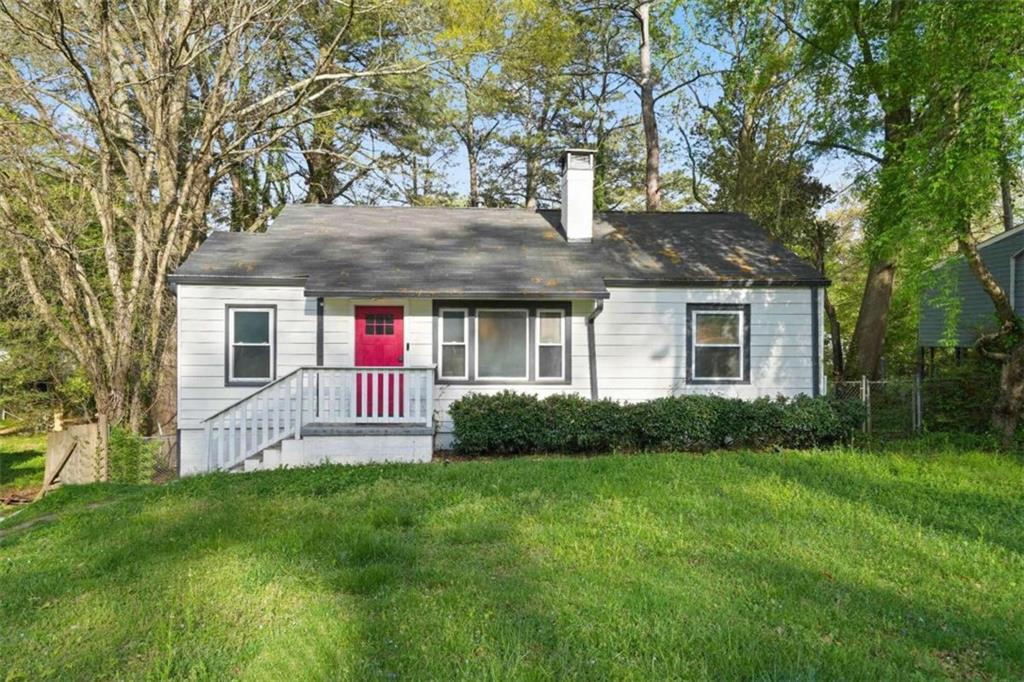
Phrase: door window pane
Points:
(252, 326)
(501, 344)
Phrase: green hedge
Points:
(130, 457)
(517, 423)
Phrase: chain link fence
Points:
(903, 407)
(165, 460)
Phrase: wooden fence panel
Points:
(75, 455)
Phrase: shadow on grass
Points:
(368, 557)
(21, 470)
(973, 514)
(525, 569)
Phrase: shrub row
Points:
(516, 423)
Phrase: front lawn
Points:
(826, 565)
(22, 459)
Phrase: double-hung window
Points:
(453, 358)
(250, 352)
(719, 343)
(550, 345)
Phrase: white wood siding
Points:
(641, 342)
(201, 343)
(641, 345)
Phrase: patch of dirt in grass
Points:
(40, 520)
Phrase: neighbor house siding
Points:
(973, 311)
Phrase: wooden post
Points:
(298, 421)
(102, 440)
(918, 405)
(209, 447)
(865, 395)
(428, 381)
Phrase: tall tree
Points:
(595, 116)
(941, 189)
(863, 48)
(659, 68)
(537, 87)
(116, 128)
(753, 148)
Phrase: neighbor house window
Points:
(453, 357)
(550, 344)
(719, 343)
(250, 345)
(502, 343)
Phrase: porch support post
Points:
(320, 332)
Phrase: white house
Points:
(344, 333)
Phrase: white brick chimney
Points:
(578, 194)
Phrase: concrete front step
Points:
(345, 444)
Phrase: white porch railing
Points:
(325, 395)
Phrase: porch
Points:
(338, 414)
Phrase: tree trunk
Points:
(474, 179)
(532, 178)
(1006, 412)
(321, 167)
(650, 122)
(164, 413)
(835, 331)
(1006, 194)
(868, 341)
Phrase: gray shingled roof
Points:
(439, 252)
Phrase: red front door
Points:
(380, 342)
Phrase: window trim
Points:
(442, 343)
(692, 310)
(472, 305)
(540, 344)
(526, 343)
(229, 343)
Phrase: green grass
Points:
(22, 459)
(824, 565)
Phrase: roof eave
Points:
(711, 282)
(236, 280)
(328, 292)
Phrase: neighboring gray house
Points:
(344, 333)
(957, 326)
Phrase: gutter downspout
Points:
(592, 346)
